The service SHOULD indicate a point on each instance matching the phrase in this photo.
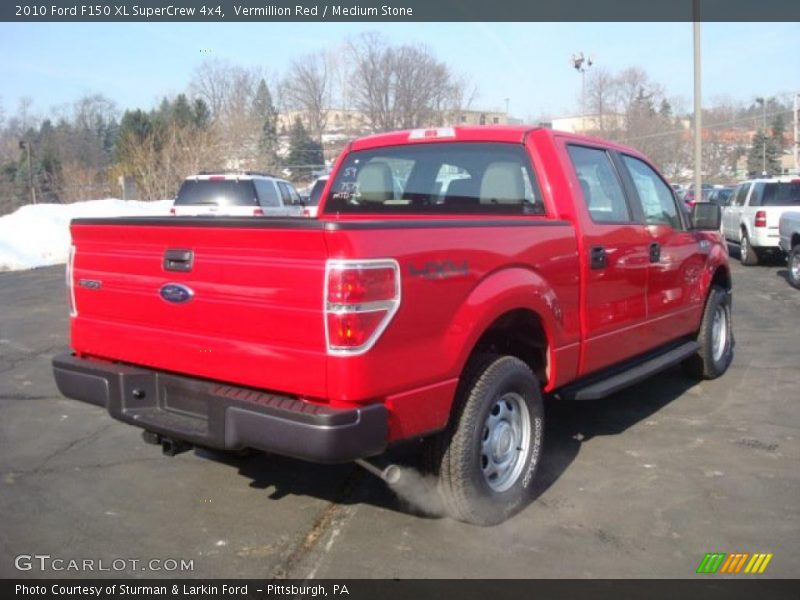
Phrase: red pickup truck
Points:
(454, 277)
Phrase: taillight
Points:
(761, 218)
(306, 212)
(361, 297)
(258, 212)
(73, 308)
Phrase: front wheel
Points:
(486, 458)
(715, 337)
(794, 266)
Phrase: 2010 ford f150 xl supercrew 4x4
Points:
(454, 277)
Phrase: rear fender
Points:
(497, 294)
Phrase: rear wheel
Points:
(486, 458)
(715, 337)
(747, 254)
(794, 266)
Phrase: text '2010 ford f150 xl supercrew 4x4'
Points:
(454, 277)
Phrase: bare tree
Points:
(601, 100)
(402, 86)
(307, 88)
(211, 82)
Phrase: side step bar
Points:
(595, 388)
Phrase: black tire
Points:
(708, 364)
(747, 254)
(459, 455)
(794, 261)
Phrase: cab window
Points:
(655, 196)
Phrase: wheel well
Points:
(795, 240)
(518, 333)
(721, 278)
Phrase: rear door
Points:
(675, 255)
(615, 269)
(732, 213)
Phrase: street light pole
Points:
(27, 146)
(698, 118)
(763, 103)
(796, 139)
(581, 64)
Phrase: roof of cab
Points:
(476, 133)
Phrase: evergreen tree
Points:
(202, 115)
(304, 151)
(181, 111)
(264, 112)
(764, 155)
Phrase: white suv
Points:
(237, 194)
(752, 217)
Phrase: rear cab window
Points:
(437, 178)
(212, 192)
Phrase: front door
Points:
(676, 256)
(615, 268)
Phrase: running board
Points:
(594, 388)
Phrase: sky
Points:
(136, 64)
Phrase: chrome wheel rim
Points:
(719, 332)
(505, 440)
(794, 267)
(744, 248)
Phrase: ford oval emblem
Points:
(176, 293)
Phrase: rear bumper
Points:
(221, 416)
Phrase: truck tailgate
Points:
(255, 306)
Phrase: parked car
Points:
(789, 241)
(690, 198)
(314, 195)
(238, 194)
(721, 196)
(751, 219)
(404, 311)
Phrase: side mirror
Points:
(706, 216)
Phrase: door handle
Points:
(597, 257)
(655, 252)
(178, 260)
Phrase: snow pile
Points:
(37, 235)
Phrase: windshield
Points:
(443, 178)
(229, 192)
(781, 194)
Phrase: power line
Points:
(715, 125)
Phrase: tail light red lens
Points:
(258, 212)
(761, 218)
(361, 297)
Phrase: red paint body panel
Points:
(256, 318)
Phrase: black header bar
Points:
(397, 10)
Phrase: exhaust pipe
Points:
(390, 474)
(171, 447)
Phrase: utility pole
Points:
(763, 103)
(581, 64)
(796, 139)
(26, 145)
(698, 119)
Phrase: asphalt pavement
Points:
(642, 484)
